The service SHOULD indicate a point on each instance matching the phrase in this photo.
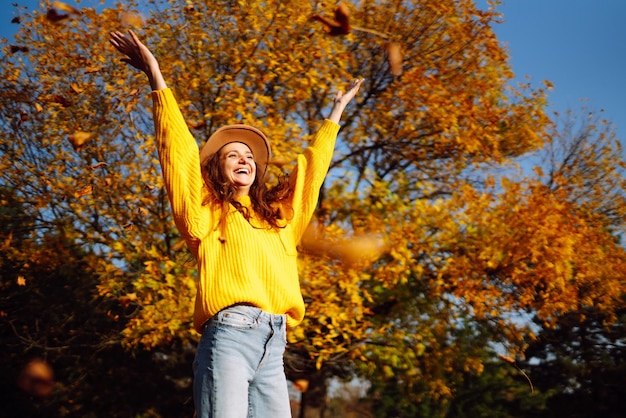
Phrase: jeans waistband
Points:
(260, 315)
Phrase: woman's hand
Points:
(342, 100)
(139, 56)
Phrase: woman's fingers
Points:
(352, 90)
(123, 43)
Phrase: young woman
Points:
(244, 238)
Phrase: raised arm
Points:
(139, 56)
(307, 177)
(178, 151)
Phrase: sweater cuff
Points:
(330, 127)
(162, 97)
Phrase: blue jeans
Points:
(238, 368)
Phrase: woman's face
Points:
(238, 166)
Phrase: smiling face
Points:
(238, 166)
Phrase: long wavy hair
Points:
(266, 203)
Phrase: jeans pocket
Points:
(243, 317)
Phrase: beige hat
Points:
(249, 135)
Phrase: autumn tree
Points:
(538, 249)
(418, 241)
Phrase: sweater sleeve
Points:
(309, 174)
(180, 165)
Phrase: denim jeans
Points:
(238, 368)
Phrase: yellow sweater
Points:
(253, 265)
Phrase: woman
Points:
(244, 238)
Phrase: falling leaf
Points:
(37, 378)
(87, 190)
(394, 57)
(55, 17)
(18, 48)
(98, 165)
(357, 249)
(21, 281)
(301, 385)
(342, 15)
(131, 19)
(90, 70)
(16, 20)
(179, 245)
(38, 107)
(75, 88)
(506, 359)
(23, 118)
(131, 104)
(78, 139)
(61, 100)
(7, 241)
(63, 7)
(511, 361)
(197, 125)
(340, 25)
(127, 299)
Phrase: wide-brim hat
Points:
(254, 138)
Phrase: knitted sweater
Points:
(254, 264)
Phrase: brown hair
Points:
(266, 203)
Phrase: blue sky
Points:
(578, 45)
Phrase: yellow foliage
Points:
(407, 248)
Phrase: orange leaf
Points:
(87, 190)
(75, 88)
(506, 359)
(394, 57)
(131, 19)
(301, 385)
(78, 139)
(98, 165)
(127, 299)
(7, 242)
(37, 378)
(65, 7)
(90, 70)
